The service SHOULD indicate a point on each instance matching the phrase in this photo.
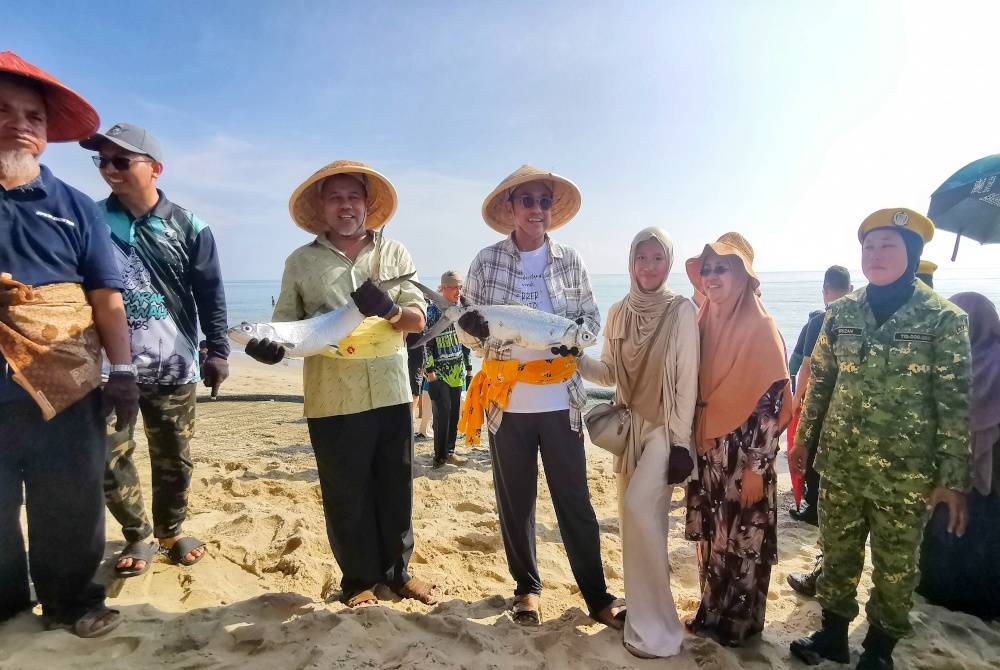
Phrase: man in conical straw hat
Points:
(60, 304)
(357, 401)
(543, 412)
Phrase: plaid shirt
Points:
(493, 279)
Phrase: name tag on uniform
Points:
(851, 332)
(913, 337)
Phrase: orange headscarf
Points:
(742, 355)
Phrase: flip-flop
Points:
(361, 599)
(525, 611)
(181, 548)
(418, 589)
(611, 618)
(84, 626)
(141, 550)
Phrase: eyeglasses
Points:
(717, 270)
(528, 201)
(121, 163)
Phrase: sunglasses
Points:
(717, 270)
(528, 201)
(121, 163)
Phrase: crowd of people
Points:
(895, 413)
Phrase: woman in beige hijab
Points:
(651, 356)
(744, 402)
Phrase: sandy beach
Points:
(266, 594)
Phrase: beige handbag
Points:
(609, 425)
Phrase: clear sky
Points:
(786, 121)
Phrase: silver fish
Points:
(312, 336)
(524, 326)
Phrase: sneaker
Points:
(805, 514)
(438, 463)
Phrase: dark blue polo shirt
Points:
(51, 233)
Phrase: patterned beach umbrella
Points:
(968, 203)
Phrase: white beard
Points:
(18, 164)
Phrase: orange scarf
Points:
(48, 337)
(495, 382)
(742, 355)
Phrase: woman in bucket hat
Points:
(543, 411)
(744, 403)
(887, 416)
(357, 401)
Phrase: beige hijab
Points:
(742, 354)
(641, 330)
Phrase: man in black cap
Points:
(170, 270)
(60, 304)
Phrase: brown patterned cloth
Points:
(48, 337)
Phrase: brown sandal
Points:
(419, 590)
(362, 599)
(525, 611)
(612, 616)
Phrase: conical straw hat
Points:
(307, 211)
(565, 199)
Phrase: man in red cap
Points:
(60, 304)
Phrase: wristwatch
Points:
(127, 368)
(397, 316)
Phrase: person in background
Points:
(925, 272)
(887, 415)
(416, 359)
(165, 301)
(60, 304)
(836, 284)
(745, 402)
(962, 573)
(357, 401)
(544, 397)
(650, 356)
(448, 365)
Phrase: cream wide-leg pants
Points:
(652, 624)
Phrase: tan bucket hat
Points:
(305, 208)
(730, 244)
(565, 198)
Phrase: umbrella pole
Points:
(954, 252)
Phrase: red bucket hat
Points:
(70, 117)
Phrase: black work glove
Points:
(563, 350)
(475, 325)
(121, 395)
(214, 371)
(265, 350)
(679, 465)
(371, 300)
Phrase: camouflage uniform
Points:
(168, 417)
(887, 408)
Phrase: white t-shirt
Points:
(532, 292)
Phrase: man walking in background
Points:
(172, 279)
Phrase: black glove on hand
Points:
(679, 465)
(265, 351)
(371, 300)
(563, 350)
(214, 371)
(122, 396)
(475, 325)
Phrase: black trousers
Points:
(514, 449)
(446, 402)
(59, 465)
(810, 493)
(365, 464)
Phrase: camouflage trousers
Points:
(168, 418)
(896, 527)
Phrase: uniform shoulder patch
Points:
(913, 337)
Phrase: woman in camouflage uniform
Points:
(887, 409)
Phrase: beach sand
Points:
(266, 594)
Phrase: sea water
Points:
(787, 296)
